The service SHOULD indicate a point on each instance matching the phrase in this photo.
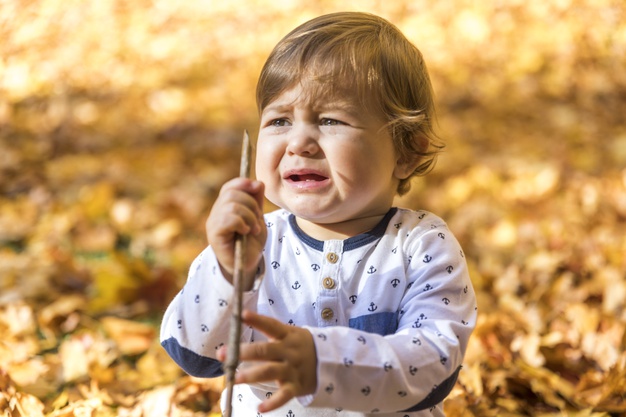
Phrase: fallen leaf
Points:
(131, 337)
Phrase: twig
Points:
(232, 356)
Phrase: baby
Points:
(354, 307)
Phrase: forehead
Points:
(326, 94)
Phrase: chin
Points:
(307, 213)
(310, 207)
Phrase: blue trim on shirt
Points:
(351, 243)
(438, 394)
(192, 363)
(380, 323)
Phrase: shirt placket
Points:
(327, 300)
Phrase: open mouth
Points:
(306, 177)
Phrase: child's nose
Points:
(303, 141)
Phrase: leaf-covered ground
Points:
(119, 121)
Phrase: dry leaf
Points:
(115, 138)
(131, 337)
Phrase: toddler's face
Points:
(327, 161)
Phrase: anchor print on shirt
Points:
(353, 298)
(371, 269)
(417, 324)
(275, 265)
(315, 267)
(373, 307)
(395, 282)
(296, 285)
(361, 340)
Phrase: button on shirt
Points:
(328, 283)
(390, 312)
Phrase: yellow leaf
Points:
(131, 337)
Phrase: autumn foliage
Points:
(119, 121)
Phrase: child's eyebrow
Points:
(321, 106)
(277, 107)
(342, 105)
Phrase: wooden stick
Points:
(232, 355)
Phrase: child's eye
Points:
(330, 122)
(279, 122)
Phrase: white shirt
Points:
(390, 311)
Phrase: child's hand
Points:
(288, 358)
(238, 210)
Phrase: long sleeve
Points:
(416, 366)
(196, 323)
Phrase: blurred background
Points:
(119, 122)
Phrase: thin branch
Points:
(232, 357)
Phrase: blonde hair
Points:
(366, 54)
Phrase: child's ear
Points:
(407, 164)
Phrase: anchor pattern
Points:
(375, 278)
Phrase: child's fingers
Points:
(239, 218)
(263, 372)
(272, 328)
(252, 188)
(235, 211)
(278, 399)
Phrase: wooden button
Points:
(327, 314)
(332, 257)
(328, 283)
